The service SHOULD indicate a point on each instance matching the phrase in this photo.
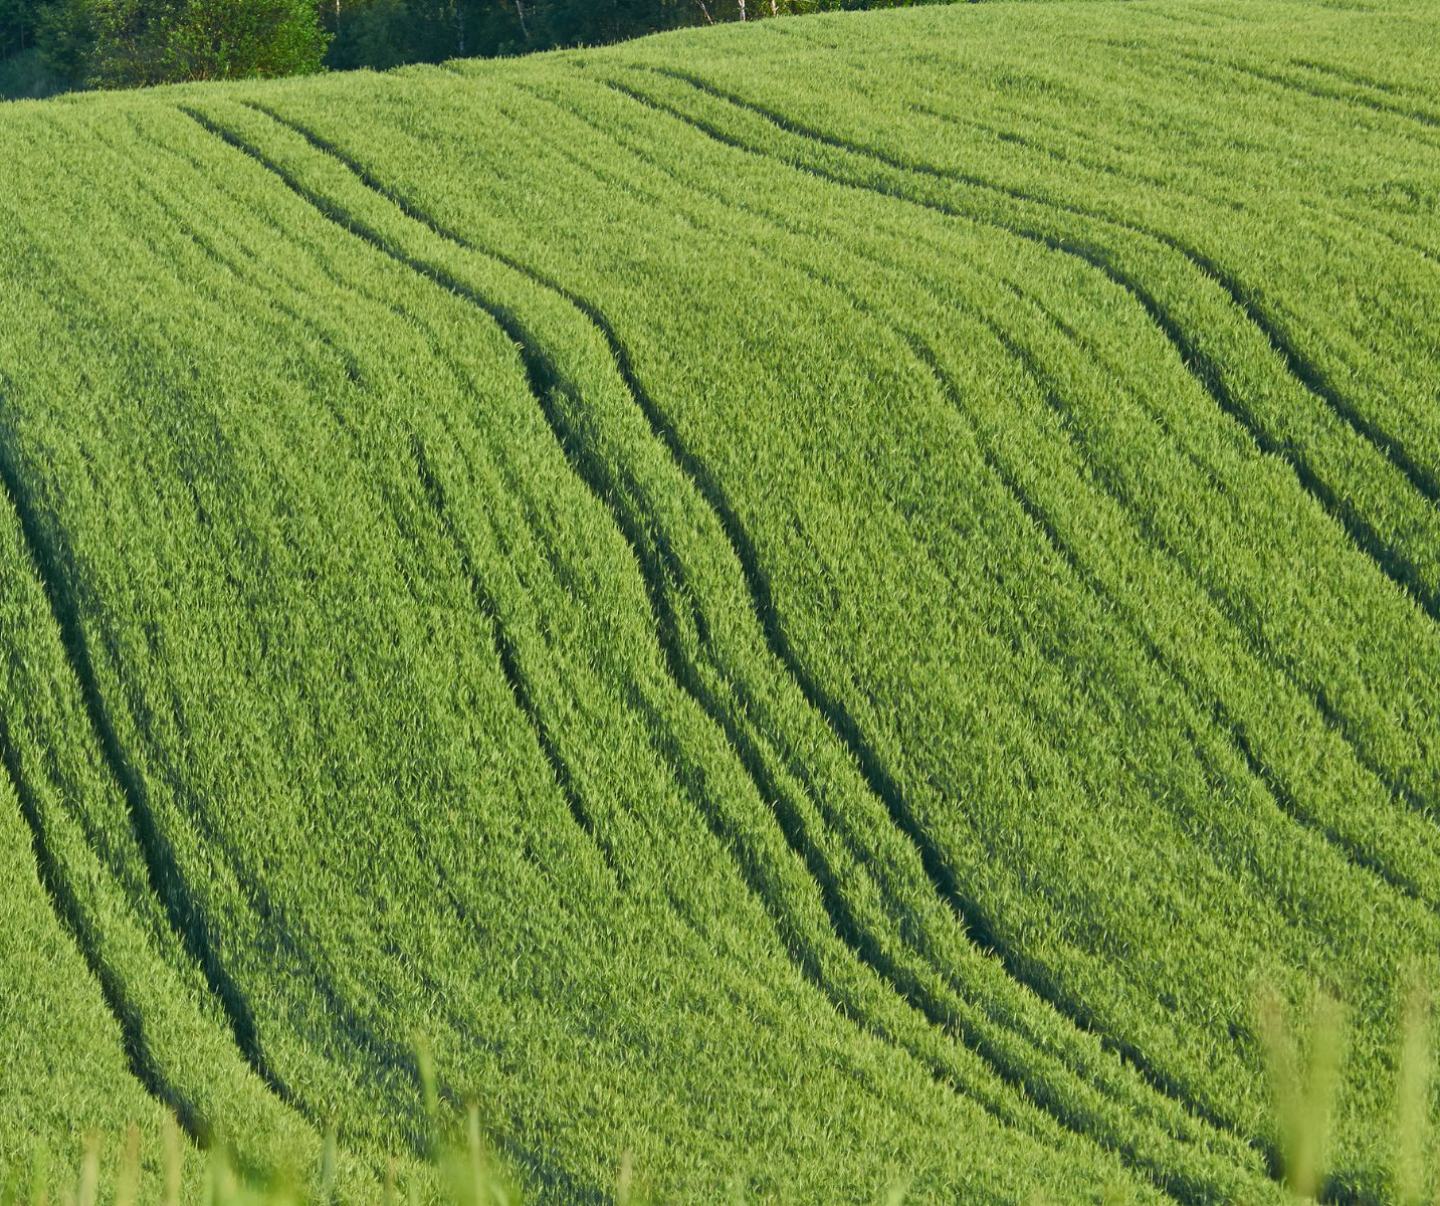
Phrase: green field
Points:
(822, 603)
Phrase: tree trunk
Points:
(742, 10)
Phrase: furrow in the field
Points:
(202, 234)
(878, 777)
(1010, 1066)
(1351, 848)
(941, 875)
(705, 486)
(176, 1039)
(467, 1026)
(1308, 374)
(659, 569)
(1309, 88)
(1392, 560)
(801, 267)
(1165, 664)
(1256, 660)
(1215, 598)
(541, 381)
(298, 945)
(187, 920)
(1358, 78)
(683, 674)
(1121, 155)
(1035, 1076)
(69, 911)
(1206, 372)
(611, 174)
(505, 647)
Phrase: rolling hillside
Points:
(822, 603)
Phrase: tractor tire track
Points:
(683, 672)
(757, 582)
(408, 315)
(509, 660)
(298, 946)
(1165, 663)
(1304, 371)
(1222, 606)
(1314, 91)
(542, 381)
(1208, 378)
(294, 942)
(50, 559)
(842, 723)
(1205, 371)
(799, 772)
(1317, 703)
(1358, 79)
(1363, 225)
(72, 917)
(1270, 780)
(1281, 796)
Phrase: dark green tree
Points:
(227, 39)
(124, 43)
(65, 35)
(128, 43)
(17, 25)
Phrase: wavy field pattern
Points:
(818, 603)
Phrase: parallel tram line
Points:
(183, 909)
(1201, 367)
(925, 357)
(682, 671)
(978, 927)
(543, 382)
(1304, 371)
(1257, 768)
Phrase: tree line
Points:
(129, 43)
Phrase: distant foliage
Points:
(384, 33)
(130, 43)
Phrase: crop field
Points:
(816, 606)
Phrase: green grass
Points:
(822, 604)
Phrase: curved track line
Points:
(540, 374)
(509, 659)
(1225, 722)
(841, 722)
(1316, 91)
(1176, 337)
(361, 1034)
(1301, 820)
(1204, 370)
(844, 925)
(71, 915)
(1281, 796)
(1424, 481)
(182, 908)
